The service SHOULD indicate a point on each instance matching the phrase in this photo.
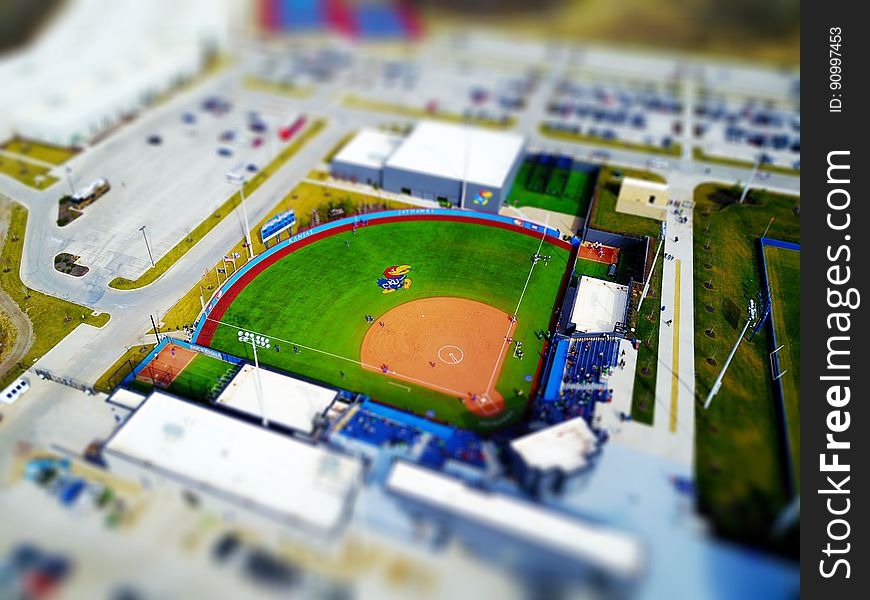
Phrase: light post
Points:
(753, 314)
(257, 383)
(239, 179)
(147, 246)
(653, 268)
(752, 175)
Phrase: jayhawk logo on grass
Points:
(395, 278)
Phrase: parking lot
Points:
(167, 172)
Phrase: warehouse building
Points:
(467, 167)
(362, 159)
(232, 467)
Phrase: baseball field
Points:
(443, 318)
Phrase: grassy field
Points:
(48, 153)
(674, 150)
(304, 198)
(567, 191)
(784, 276)
(740, 474)
(643, 397)
(109, 380)
(26, 172)
(53, 319)
(698, 154)
(8, 334)
(318, 296)
(604, 215)
(592, 268)
(282, 89)
(352, 101)
(201, 230)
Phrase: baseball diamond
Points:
(368, 309)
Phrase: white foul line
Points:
(517, 309)
(350, 360)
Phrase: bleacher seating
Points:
(571, 404)
(589, 358)
(370, 425)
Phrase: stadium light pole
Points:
(662, 234)
(257, 383)
(147, 245)
(240, 181)
(752, 175)
(718, 383)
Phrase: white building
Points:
(362, 159)
(98, 62)
(286, 400)
(237, 469)
(469, 167)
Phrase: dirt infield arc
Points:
(452, 345)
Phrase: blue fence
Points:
(781, 412)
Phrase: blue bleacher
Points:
(380, 425)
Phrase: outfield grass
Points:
(318, 297)
(604, 215)
(304, 198)
(740, 474)
(109, 380)
(698, 154)
(53, 319)
(783, 273)
(674, 150)
(352, 101)
(26, 172)
(201, 230)
(568, 191)
(49, 153)
(643, 396)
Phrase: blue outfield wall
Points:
(371, 217)
(781, 412)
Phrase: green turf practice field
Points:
(319, 295)
(562, 190)
(199, 379)
(784, 276)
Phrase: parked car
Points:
(225, 151)
(155, 140)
